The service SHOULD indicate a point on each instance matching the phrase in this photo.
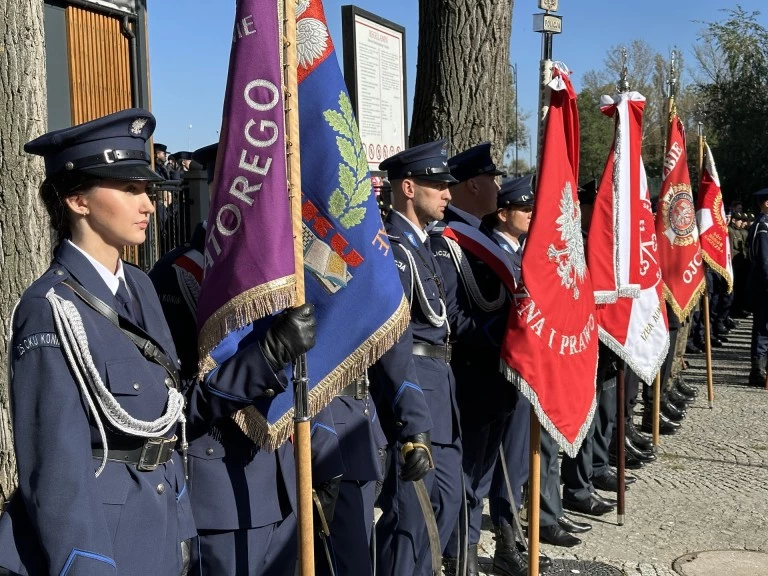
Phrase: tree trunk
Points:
(25, 240)
(463, 69)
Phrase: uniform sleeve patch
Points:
(24, 345)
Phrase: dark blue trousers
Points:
(349, 544)
(270, 550)
(759, 328)
(402, 544)
(480, 451)
(516, 442)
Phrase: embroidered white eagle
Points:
(311, 36)
(571, 262)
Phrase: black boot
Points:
(671, 411)
(644, 456)
(757, 374)
(684, 388)
(507, 559)
(473, 565)
(679, 399)
(638, 438)
(666, 426)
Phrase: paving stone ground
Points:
(708, 490)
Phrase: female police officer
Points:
(94, 396)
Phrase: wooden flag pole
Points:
(705, 296)
(534, 474)
(656, 409)
(301, 425)
(708, 349)
(534, 491)
(620, 433)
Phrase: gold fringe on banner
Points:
(719, 269)
(271, 436)
(683, 313)
(251, 305)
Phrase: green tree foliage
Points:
(596, 133)
(733, 56)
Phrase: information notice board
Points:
(374, 71)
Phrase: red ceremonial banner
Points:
(713, 228)
(550, 347)
(613, 249)
(678, 236)
(622, 249)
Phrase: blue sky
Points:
(189, 43)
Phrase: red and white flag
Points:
(636, 329)
(622, 249)
(613, 246)
(550, 348)
(681, 264)
(710, 215)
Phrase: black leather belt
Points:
(148, 455)
(439, 351)
(358, 389)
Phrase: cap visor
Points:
(124, 171)
(446, 177)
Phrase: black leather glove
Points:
(417, 453)
(327, 494)
(292, 333)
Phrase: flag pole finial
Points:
(623, 85)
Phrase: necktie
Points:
(125, 304)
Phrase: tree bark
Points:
(462, 72)
(25, 239)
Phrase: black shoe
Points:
(730, 323)
(572, 527)
(679, 399)
(691, 349)
(557, 536)
(638, 439)
(508, 560)
(722, 336)
(609, 482)
(684, 388)
(644, 456)
(757, 374)
(630, 462)
(720, 328)
(607, 501)
(671, 411)
(593, 505)
(666, 426)
(715, 342)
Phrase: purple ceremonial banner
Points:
(249, 264)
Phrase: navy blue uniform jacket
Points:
(62, 519)
(234, 484)
(433, 376)
(484, 393)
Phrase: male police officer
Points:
(757, 244)
(420, 178)
(242, 496)
(161, 152)
(485, 398)
(510, 223)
